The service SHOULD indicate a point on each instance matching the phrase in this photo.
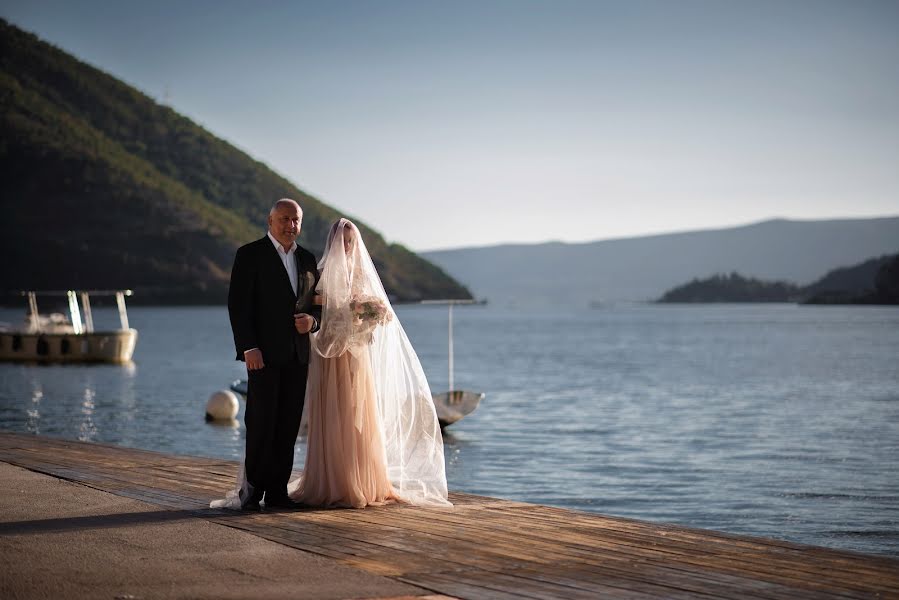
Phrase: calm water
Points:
(780, 421)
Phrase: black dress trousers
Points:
(275, 397)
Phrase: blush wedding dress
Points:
(373, 435)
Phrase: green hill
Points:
(732, 288)
(874, 281)
(103, 187)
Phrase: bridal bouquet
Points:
(370, 310)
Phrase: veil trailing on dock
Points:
(357, 317)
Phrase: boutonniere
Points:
(306, 292)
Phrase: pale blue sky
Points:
(447, 124)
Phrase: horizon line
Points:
(656, 234)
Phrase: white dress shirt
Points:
(288, 259)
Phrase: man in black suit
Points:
(272, 314)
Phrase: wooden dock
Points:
(483, 548)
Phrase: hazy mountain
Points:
(643, 268)
(103, 187)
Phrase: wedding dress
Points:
(373, 435)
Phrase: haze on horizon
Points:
(477, 123)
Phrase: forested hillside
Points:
(104, 187)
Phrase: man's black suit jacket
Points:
(261, 303)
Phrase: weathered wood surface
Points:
(484, 547)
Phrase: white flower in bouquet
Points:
(370, 310)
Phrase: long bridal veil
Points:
(357, 317)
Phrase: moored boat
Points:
(452, 406)
(55, 338)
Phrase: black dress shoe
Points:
(282, 502)
(249, 499)
(251, 506)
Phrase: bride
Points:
(373, 432)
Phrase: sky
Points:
(470, 123)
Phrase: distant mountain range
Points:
(643, 268)
(105, 188)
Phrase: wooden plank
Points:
(653, 579)
(585, 545)
(455, 586)
(681, 532)
(590, 583)
(588, 558)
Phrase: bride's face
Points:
(348, 240)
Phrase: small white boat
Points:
(55, 338)
(454, 404)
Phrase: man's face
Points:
(285, 223)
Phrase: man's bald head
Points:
(284, 203)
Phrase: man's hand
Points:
(303, 323)
(254, 359)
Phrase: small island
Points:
(732, 288)
(874, 281)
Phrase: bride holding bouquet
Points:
(373, 432)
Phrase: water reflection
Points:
(128, 409)
(226, 423)
(457, 438)
(34, 411)
(88, 430)
(453, 446)
(129, 368)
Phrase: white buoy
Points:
(222, 406)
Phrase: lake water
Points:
(772, 420)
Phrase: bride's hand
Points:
(317, 299)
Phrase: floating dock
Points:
(483, 548)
